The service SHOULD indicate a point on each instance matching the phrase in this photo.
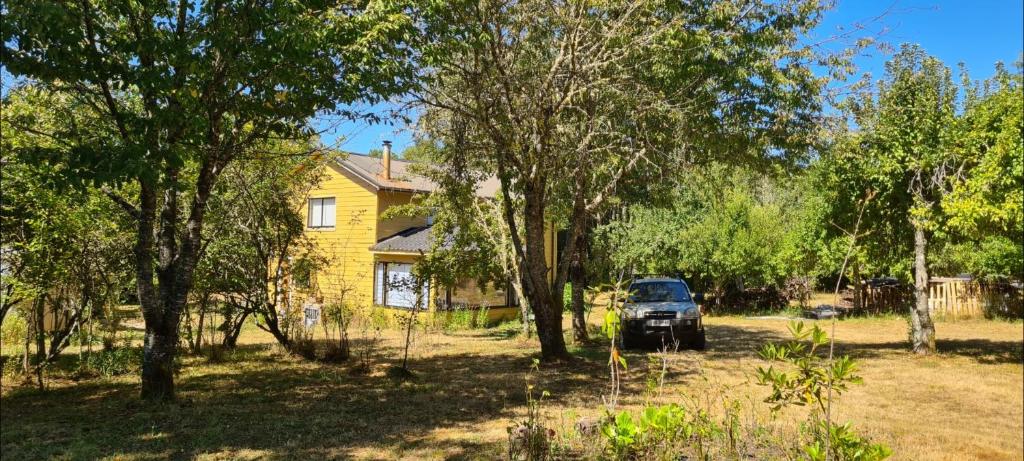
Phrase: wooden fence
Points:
(948, 297)
(955, 297)
(883, 299)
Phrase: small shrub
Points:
(381, 318)
(336, 352)
(845, 444)
(14, 329)
(12, 366)
(482, 317)
(462, 318)
(810, 379)
(112, 362)
(215, 353)
(529, 439)
(654, 435)
(302, 344)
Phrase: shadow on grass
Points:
(260, 404)
(285, 409)
(728, 341)
(983, 351)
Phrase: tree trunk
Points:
(922, 333)
(158, 362)
(546, 305)
(39, 315)
(273, 326)
(579, 313)
(578, 277)
(524, 305)
(234, 330)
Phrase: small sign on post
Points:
(310, 316)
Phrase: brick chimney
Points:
(386, 160)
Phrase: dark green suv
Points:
(661, 310)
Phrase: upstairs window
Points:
(321, 212)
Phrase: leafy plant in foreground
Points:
(814, 380)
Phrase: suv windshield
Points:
(656, 292)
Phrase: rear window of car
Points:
(655, 292)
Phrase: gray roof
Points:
(411, 240)
(370, 170)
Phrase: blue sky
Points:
(977, 33)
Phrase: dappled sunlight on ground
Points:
(258, 403)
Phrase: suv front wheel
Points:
(700, 342)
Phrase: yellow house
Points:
(369, 259)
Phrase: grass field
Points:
(967, 402)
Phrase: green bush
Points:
(804, 378)
(14, 329)
(461, 319)
(113, 362)
(654, 436)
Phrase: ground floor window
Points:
(467, 294)
(394, 285)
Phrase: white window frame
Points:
(321, 221)
(381, 280)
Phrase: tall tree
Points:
(256, 229)
(187, 86)
(986, 207)
(905, 142)
(563, 101)
(65, 251)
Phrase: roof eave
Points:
(398, 252)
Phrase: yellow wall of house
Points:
(388, 227)
(551, 250)
(348, 267)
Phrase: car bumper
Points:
(676, 328)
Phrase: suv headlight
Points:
(630, 314)
(689, 313)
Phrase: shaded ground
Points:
(967, 402)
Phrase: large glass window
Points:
(394, 285)
(468, 294)
(321, 212)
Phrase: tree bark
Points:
(158, 363)
(524, 305)
(175, 258)
(922, 334)
(39, 315)
(578, 277)
(579, 314)
(546, 305)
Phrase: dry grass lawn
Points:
(965, 403)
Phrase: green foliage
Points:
(658, 427)
(812, 374)
(163, 74)
(461, 319)
(815, 380)
(14, 328)
(726, 227)
(422, 151)
(113, 362)
(845, 444)
(991, 139)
